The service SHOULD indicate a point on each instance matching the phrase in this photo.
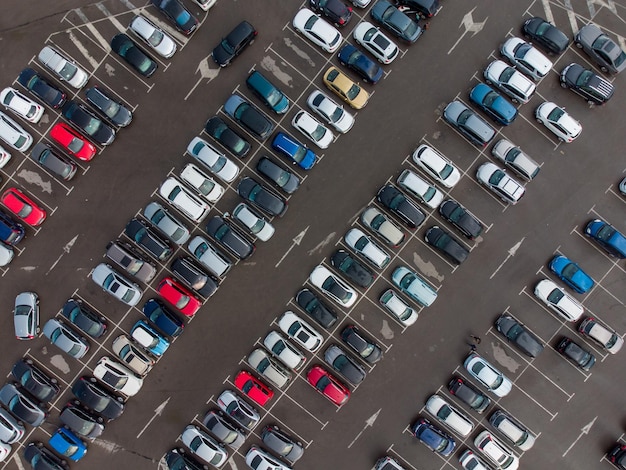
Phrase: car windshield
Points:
(353, 91)
(489, 99)
(108, 281)
(254, 193)
(555, 114)
(337, 114)
(521, 50)
(114, 380)
(155, 38)
(496, 177)
(223, 230)
(129, 295)
(406, 281)
(111, 109)
(569, 271)
(278, 347)
(446, 171)
(91, 126)
(322, 383)
(300, 154)
(605, 233)
(555, 296)
(201, 249)
(318, 133)
(227, 47)
(506, 74)
(75, 145)
(334, 288)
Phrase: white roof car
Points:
(238, 409)
(526, 58)
(388, 463)
(368, 249)
(449, 415)
(382, 225)
(311, 128)
(361, 3)
(372, 39)
(500, 183)
(558, 300)
(283, 350)
(209, 256)
(205, 4)
(513, 431)
(487, 375)
(21, 105)
(557, 120)
(515, 84)
(317, 30)
(14, 135)
(153, 36)
(65, 69)
(202, 183)
(258, 459)
(118, 377)
(116, 284)
(6, 254)
(425, 193)
(470, 461)
(495, 451)
(253, 221)
(334, 114)
(4, 156)
(398, 307)
(167, 224)
(436, 165)
(213, 159)
(132, 355)
(301, 332)
(204, 446)
(269, 368)
(513, 157)
(181, 198)
(332, 286)
(602, 335)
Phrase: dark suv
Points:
(148, 240)
(229, 238)
(586, 83)
(194, 277)
(232, 45)
(469, 395)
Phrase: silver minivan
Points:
(512, 430)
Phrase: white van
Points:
(511, 429)
(449, 415)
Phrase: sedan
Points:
(446, 243)
(329, 386)
(496, 179)
(468, 123)
(556, 299)
(571, 274)
(63, 68)
(394, 304)
(234, 43)
(193, 277)
(177, 295)
(345, 88)
(229, 238)
(495, 451)
(557, 120)
(166, 223)
(296, 152)
(223, 429)
(436, 166)
(23, 207)
(515, 84)
(153, 36)
(405, 210)
(312, 129)
(317, 30)
(14, 135)
(86, 121)
(116, 285)
(84, 318)
(602, 49)
(365, 247)
(253, 388)
(258, 459)
(382, 226)
(362, 65)
(35, 381)
(118, 377)
(282, 350)
(545, 34)
(379, 45)
(526, 58)
(248, 116)
(315, 308)
(22, 406)
(469, 395)
(204, 446)
(238, 409)
(277, 175)
(335, 10)
(202, 183)
(493, 104)
(343, 363)
(253, 221)
(165, 320)
(56, 163)
(26, 315)
(333, 114)
(281, 443)
(513, 157)
(225, 135)
(576, 353)
(301, 332)
(39, 87)
(424, 192)
(333, 287)
(462, 219)
(213, 159)
(607, 236)
(352, 269)
(487, 375)
(21, 105)
(518, 334)
(366, 348)
(261, 197)
(604, 336)
(73, 142)
(113, 110)
(184, 200)
(180, 17)
(80, 421)
(432, 437)
(65, 339)
(126, 48)
(148, 240)
(584, 82)
(395, 21)
(449, 415)
(97, 398)
(132, 355)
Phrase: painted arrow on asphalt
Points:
(157, 412)
(296, 241)
(369, 422)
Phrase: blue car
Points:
(294, 150)
(493, 104)
(362, 65)
(64, 442)
(149, 338)
(613, 242)
(432, 437)
(571, 274)
(163, 319)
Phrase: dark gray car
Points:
(221, 428)
(461, 218)
(55, 163)
(34, 380)
(81, 421)
(148, 240)
(602, 49)
(317, 310)
(584, 82)
(229, 238)
(277, 175)
(519, 335)
(22, 407)
(248, 116)
(396, 202)
(468, 123)
(194, 277)
(125, 256)
(344, 364)
(446, 243)
(41, 458)
(111, 109)
(576, 353)
(351, 268)
(282, 444)
(86, 319)
(261, 197)
(96, 398)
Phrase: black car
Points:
(248, 116)
(423, 8)
(39, 87)
(229, 238)
(148, 240)
(519, 335)
(224, 430)
(390, 197)
(81, 421)
(234, 43)
(96, 398)
(261, 197)
(545, 34)
(367, 349)
(361, 64)
(461, 218)
(351, 268)
(56, 163)
(446, 243)
(281, 443)
(22, 405)
(34, 380)
(194, 277)
(182, 19)
(469, 395)
(86, 319)
(317, 310)
(111, 109)
(617, 456)
(230, 139)
(576, 353)
(586, 83)
(335, 10)
(163, 318)
(88, 123)
(178, 459)
(281, 178)
(395, 21)
(128, 50)
(341, 361)
(41, 458)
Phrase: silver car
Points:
(238, 409)
(166, 223)
(202, 183)
(153, 36)
(602, 49)
(132, 355)
(269, 368)
(253, 221)
(213, 159)
(333, 114)
(184, 200)
(13, 134)
(513, 157)
(283, 350)
(526, 58)
(63, 68)
(22, 406)
(116, 285)
(65, 339)
(26, 315)
(383, 226)
(124, 256)
(209, 256)
(11, 430)
(204, 446)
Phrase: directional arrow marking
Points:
(584, 430)
(296, 241)
(369, 422)
(511, 252)
(157, 412)
(469, 25)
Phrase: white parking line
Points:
(96, 34)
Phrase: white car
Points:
(4, 157)
(382, 225)
(153, 36)
(64, 69)
(513, 157)
(118, 377)
(116, 284)
(317, 30)
(332, 286)
(253, 221)
(202, 183)
(181, 198)
(602, 335)
(436, 165)
(361, 3)
(269, 368)
(301, 332)
(333, 114)
(204, 446)
(312, 129)
(449, 415)
(238, 409)
(131, 355)
(21, 105)
(6, 254)
(213, 159)
(495, 451)
(558, 300)
(368, 249)
(496, 179)
(557, 120)
(209, 256)
(526, 58)
(283, 350)
(470, 461)
(14, 135)
(205, 4)
(258, 459)
(377, 43)
(515, 84)
(425, 193)
(398, 307)
(488, 375)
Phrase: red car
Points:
(328, 385)
(72, 142)
(253, 387)
(23, 207)
(179, 296)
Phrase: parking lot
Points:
(574, 414)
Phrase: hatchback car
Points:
(63, 68)
(234, 43)
(258, 459)
(97, 398)
(213, 159)
(328, 385)
(377, 43)
(602, 335)
(300, 331)
(470, 461)
(11, 430)
(488, 375)
(423, 8)
(11, 232)
(111, 109)
(312, 129)
(495, 451)
(202, 183)
(365, 347)
(80, 421)
(395, 305)
(351, 268)
(315, 308)
(35, 381)
(576, 353)
(165, 320)
(602, 49)
(181, 18)
(38, 456)
(395, 21)
(391, 198)
(367, 248)
(166, 223)
(443, 241)
(571, 274)
(269, 94)
(318, 31)
(262, 197)
(22, 406)
(469, 395)
(253, 221)
(515, 84)
(493, 104)
(333, 114)
(23, 207)
(177, 295)
(116, 285)
(526, 58)
(148, 240)
(209, 256)
(149, 338)
(225, 135)
(556, 299)
(72, 142)
(125, 256)
(501, 184)
(184, 200)
(118, 377)
(424, 192)
(193, 277)
(345, 88)
(282, 443)
(358, 62)
(270, 369)
(617, 456)
(283, 179)
(382, 226)
(128, 50)
(584, 82)
(468, 123)
(414, 286)
(432, 437)
(65, 339)
(226, 235)
(238, 409)
(84, 317)
(513, 157)
(26, 315)
(436, 166)
(179, 458)
(56, 163)
(545, 34)
(333, 287)
(518, 334)
(462, 219)
(14, 135)
(248, 116)
(21, 105)
(203, 446)
(153, 36)
(514, 431)
(296, 152)
(335, 10)
(132, 355)
(253, 388)
(87, 122)
(282, 350)
(39, 87)
(449, 415)
(558, 121)
(607, 236)
(343, 363)
(223, 429)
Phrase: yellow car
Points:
(345, 88)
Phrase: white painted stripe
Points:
(18, 462)
(129, 5)
(571, 16)
(110, 17)
(94, 63)
(547, 10)
(96, 34)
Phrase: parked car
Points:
(343, 363)
(203, 446)
(376, 42)
(184, 200)
(335, 10)
(602, 335)
(6, 254)
(229, 238)
(312, 129)
(296, 152)
(217, 128)
(282, 350)
(269, 94)
(82, 422)
(202, 183)
(514, 431)
(470, 461)
(153, 36)
(526, 58)
(148, 338)
(515, 84)
(469, 395)
(36, 452)
(351, 268)
(258, 459)
(490, 377)
(209, 256)
(253, 221)
(14, 135)
(329, 386)
(423, 8)
(116, 285)
(84, 317)
(367, 248)
(388, 463)
(205, 4)
(11, 232)
(584, 82)
(571, 274)
(576, 353)
(300, 331)
(132, 355)
(234, 43)
(332, 286)
(493, 104)
(117, 376)
(513, 157)
(282, 443)
(436, 165)
(345, 88)
(391, 198)
(468, 123)
(178, 296)
(449, 415)
(317, 30)
(39, 87)
(283, 179)
(11, 430)
(238, 409)
(443, 241)
(179, 16)
(21, 105)
(558, 121)
(545, 34)
(424, 192)
(164, 319)
(270, 369)
(519, 334)
(366, 348)
(352, 58)
(193, 277)
(65, 339)
(35, 381)
(56, 163)
(111, 109)
(26, 315)
(556, 299)
(315, 308)
(248, 116)
(253, 387)
(223, 429)
(462, 219)
(432, 437)
(262, 197)
(97, 398)
(23, 207)
(83, 119)
(22, 406)
(179, 458)
(148, 240)
(72, 142)
(414, 286)
(333, 114)
(125, 256)
(607, 236)
(395, 305)
(602, 49)
(382, 226)
(617, 456)
(495, 451)
(395, 21)
(213, 159)
(63, 68)
(501, 184)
